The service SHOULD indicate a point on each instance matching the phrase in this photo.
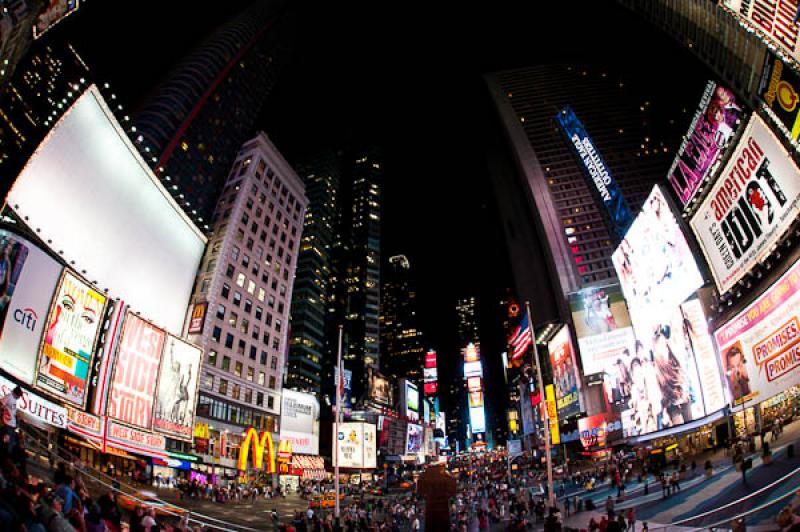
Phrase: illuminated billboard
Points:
(52, 13)
(597, 172)
(772, 21)
(654, 264)
(412, 401)
(475, 399)
(474, 384)
(198, 319)
(430, 359)
(473, 369)
(751, 205)
(357, 447)
(69, 342)
(300, 421)
(380, 390)
(565, 374)
(128, 234)
(602, 325)
(477, 420)
(780, 86)
(176, 394)
(133, 383)
(760, 347)
(714, 124)
(414, 439)
(597, 430)
(30, 280)
(471, 353)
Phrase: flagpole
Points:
(543, 408)
(338, 378)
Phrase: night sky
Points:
(408, 79)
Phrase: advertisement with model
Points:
(714, 124)
(176, 395)
(300, 421)
(29, 280)
(751, 205)
(760, 346)
(565, 374)
(70, 338)
(357, 445)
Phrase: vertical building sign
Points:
(176, 396)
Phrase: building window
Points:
(240, 279)
(232, 319)
(239, 235)
(223, 387)
(261, 294)
(259, 312)
(241, 347)
(259, 399)
(270, 402)
(271, 302)
(261, 378)
(208, 382)
(204, 286)
(250, 373)
(229, 341)
(236, 391)
(280, 308)
(245, 328)
(235, 253)
(237, 298)
(251, 287)
(245, 261)
(256, 332)
(253, 351)
(250, 243)
(278, 324)
(212, 357)
(229, 271)
(216, 333)
(263, 358)
(276, 343)
(226, 363)
(221, 312)
(268, 319)
(274, 363)
(248, 395)
(272, 382)
(226, 290)
(237, 369)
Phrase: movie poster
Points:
(177, 389)
(714, 124)
(69, 343)
(753, 202)
(133, 384)
(565, 374)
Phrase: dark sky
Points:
(407, 77)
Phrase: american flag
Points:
(520, 340)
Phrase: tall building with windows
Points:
(245, 282)
(307, 349)
(194, 122)
(402, 349)
(467, 314)
(555, 228)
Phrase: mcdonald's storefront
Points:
(232, 455)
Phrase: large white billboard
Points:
(176, 393)
(753, 202)
(357, 445)
(87, 190)
(300, 421)
(760, 346)
(655, 266)
(29, 277)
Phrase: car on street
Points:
(149, 499)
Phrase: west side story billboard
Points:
(599, 175)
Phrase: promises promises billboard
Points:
(300, 421)
(599, 175)
(176, 395)
(755, 199)
(30, 279)
(133, 385)
(760, 347)
(715, 122)
(602, 325)
(565, 374)
(70, 336)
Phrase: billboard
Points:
(526, 410)
(54, 11)
(412, 401)
(357, 445)
(176, 394)
(474, 384)
(300, 421)
(655, 266)
(598, 175)
(198, 319)
(671, 378)
(33, 408)
(133, 382)
(753, 202)
(29, 280)
(68, 346)
(414, 439)
(780, 87)
(760, 347)
(128, 234)
(430, 359)
(477, 420)
(597, 430)
(380, 390)
(565, 374)
(715, 122)
(602, 325)
(552, 414)
(475, 399)
(471, 353)
(773, 21)
(473, 369)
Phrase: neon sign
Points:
(258, 445)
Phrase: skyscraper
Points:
(194, 122)
(467, 311)
(307, 349)
(243, 291)
(547, 189)
(402, 349)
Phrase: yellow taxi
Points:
(325, 500)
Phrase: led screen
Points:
(477, 420)
(88, 191)
(473, 369)
(565, 374)
(412, 401)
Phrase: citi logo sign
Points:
(26, 317)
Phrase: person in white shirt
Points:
(8, 406)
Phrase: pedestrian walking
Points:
(631, 519)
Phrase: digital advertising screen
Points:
(412, 401)
(760, 347)
(69, 341)
(602, 325)
(30, 277)
(598, 175)
(779, 88)
(471, 353)
(135, 375)
(715, 122)
(753, 202)
(414, 439)
(597, 430)
(300, 421)
(477, 419)
(473, 369)
(475, 399)
(176, 394)
(474, 384)
(380, 390)
(565, 374)
(654, 264)
(430, 359)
